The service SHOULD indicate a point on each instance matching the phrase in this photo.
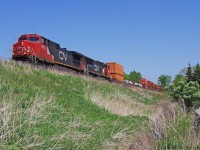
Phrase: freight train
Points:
(37, 49)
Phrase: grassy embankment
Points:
(42, 109)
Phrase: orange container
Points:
(116, 68)
(117, 76)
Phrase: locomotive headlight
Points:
(22, 43)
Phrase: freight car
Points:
(116, 71)
(37, 49)
(150, 85)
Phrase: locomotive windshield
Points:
(23, 38)
(32, 39)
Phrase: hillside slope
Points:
(43, 109)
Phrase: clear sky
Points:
(153, 37)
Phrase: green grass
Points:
(181, 135)
(108, 89)
(42, 110)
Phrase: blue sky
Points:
(153, 37)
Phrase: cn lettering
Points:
(62, 56)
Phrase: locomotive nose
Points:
(21, 48)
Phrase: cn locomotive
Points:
(38, 49)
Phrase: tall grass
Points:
(181, 134)
(42, 109)
(50, 110)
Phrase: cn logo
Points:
(96, 68)
(62, 56)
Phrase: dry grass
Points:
(117, 102)
(121, 104)
(11, 65)
(176, 127)
(165, 114)
(142, 142)
(13, 118)
(121, 141)
(6, 117)
(37, 109)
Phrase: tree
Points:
(178, 78)
(164, 80)
(184, 70)
(196, 74)
(133, 76)
(186, 92)
(189, 73)
(126, 76)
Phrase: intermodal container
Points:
(158, 88)
(117, 76)
(116, 68)
(154, 86)
(150, 85)
(144, 82)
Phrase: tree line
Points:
(185, 87)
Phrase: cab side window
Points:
(45, 41)
(57, 46)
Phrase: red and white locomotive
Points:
(37, 49)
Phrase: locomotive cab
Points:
(25, 46)
(106, 70)
(31, 47)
